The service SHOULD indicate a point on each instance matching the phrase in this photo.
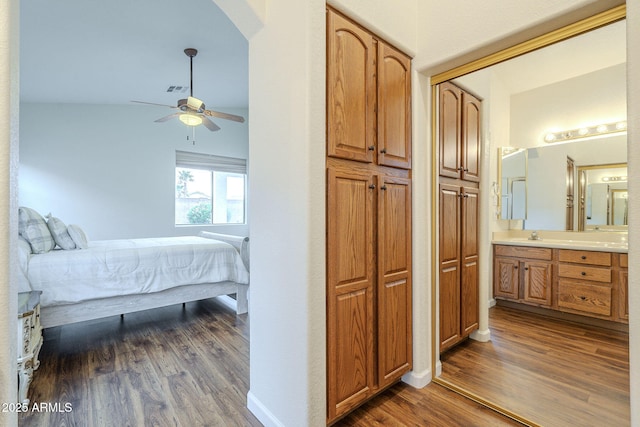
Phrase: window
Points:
(210, 189)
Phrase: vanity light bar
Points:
(585, 132)
(614, 178)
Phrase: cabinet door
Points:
(450, 115)
(471, 137)
(351, 90)
(350, 289)
(623, 295)
(449, 265)
(537, 282)
(469, 278)
(394, 279)
(505, 277)
(394, 107)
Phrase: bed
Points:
(111, 277)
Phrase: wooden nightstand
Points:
(29, 340)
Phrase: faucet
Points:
(534, 236)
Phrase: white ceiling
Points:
(115, 51)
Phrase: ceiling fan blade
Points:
(226, 116)
(153, 103)
(210, 125)
(165, 118)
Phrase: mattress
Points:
(124, 267)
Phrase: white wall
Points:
(111, 169)
(588, 100)
(633, 117)
(9, 90)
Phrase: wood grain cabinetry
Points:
(368, 96)
(523, 274)
(459, 202)
(369, 297)
(585, 283)
(459, 138)
(623, 289)
(459, 272)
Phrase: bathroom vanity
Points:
(582, 274)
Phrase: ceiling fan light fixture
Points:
(195, 103)
(190, 119)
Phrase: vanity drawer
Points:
(523, 252)
(585, 257)
(594, 274)
(587, 298)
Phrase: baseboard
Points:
(481, 336)
(492, 302)
(438, 368)
(261, 412)
(417, 379)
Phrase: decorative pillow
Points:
(33, 228)
(59, 233)
(79, 236)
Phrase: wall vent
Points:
(178, 89)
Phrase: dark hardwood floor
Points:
(190, 367)
(163, 367)
(552, 372)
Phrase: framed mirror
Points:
(603, 197)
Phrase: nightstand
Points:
(29, 340)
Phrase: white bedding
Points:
(125, 267)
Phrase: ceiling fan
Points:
(192, 110)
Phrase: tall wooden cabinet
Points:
(369, 337)
(459, 207)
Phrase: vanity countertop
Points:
(590, 241)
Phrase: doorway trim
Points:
(582, 26)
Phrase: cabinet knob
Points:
(515, 267)
(583, 257)
(583, 273)
(383, 151)
(526, 269)
(384, 187)
(372, 186)
(583, 298)
(371, 147)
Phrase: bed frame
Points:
(105, 307)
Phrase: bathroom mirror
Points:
(512, 179)
(546, 183)
(603, 197)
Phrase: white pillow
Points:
(33, 228)
(59, 232)
(79, 236)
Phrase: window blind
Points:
(186, 159)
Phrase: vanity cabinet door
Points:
(623, 289)
(506, 274)
(537, 282)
